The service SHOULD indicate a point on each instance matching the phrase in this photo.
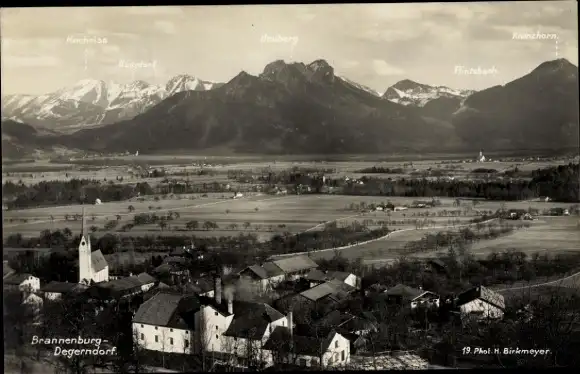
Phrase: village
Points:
(222, 317)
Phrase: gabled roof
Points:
(201, 285)
(333, 287)
(121, 284)
(303, 345)
(17, 279)
(404, 291)
(482, 293)
(256, 270)
(252, 322)
(340, 275)
(296, 263)
(316, 275)
(98, 261)
(161, 309)
(272, 269)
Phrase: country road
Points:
(542, 284)
(389, 235)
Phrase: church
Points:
(92, 265)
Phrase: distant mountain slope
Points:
(93, 102)
(537, 110)
(289, 108)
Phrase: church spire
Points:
(83, 224)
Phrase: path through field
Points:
(557, 281)
(389, 235)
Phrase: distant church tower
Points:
(481, 157)
(85, 265)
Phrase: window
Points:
(336, 344)
(171, 341)
(216, 336)
(156, 338)
(330, 361)
(216, 313)
(141, 326)
(186, 343)
(155, 327)
(186, 332)
(342, 355)
(216, 327)
(142, 337)
(170, 330)
(302, 362)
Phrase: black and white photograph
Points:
(307, 187)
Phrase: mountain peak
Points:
(560, 64)
(407, 84)
(319, 64)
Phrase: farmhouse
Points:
(22, 282)
(272, 273)
(481, 302)
(316, 277)
(56, 290)
(171, 322)
(119, 288)
(408, 296)
(325, 295)
(285, 347)
(201, 287)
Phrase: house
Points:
(316, 277)
(172, 322)
(201, 287)
(268, 275)
(352, 327)
(116, 289)
(413, 297)
(165, 323)
(285, 347)
(322, 296)
(6, 270)
(22, 282)
(56, 290)
(400, 208)
(436, 265)
(481, 302)
(296, 266)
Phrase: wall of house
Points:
(334, 356)
(489, 311)
(31, 284)
(101, 276)
(146, 338)
(147, 287)
(239, 346)
(210, 336)
(352, 280)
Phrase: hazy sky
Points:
(375, 44)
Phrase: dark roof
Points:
(168, 309)
(145, 278)
(333, 288)
(252, 323)
(98, 261)
(303, 345)
(121, 284)
(203, 285)
(175, 260)
(323, 276)
(17, 279)
(481, 293)
(255, 271)
(405, 292)
(62, 287)
(296, 263)
(163, 285)
(272, 269)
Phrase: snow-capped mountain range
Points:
(94, 102)
(407, 92)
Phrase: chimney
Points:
(218, 289)
(290, 318)
(230, 306)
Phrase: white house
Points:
(147, 281)
(481, 302)
(400, 208)
(22, 282)
(158, 326)
(267, 275)
(283, 346)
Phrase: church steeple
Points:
(85, 261)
